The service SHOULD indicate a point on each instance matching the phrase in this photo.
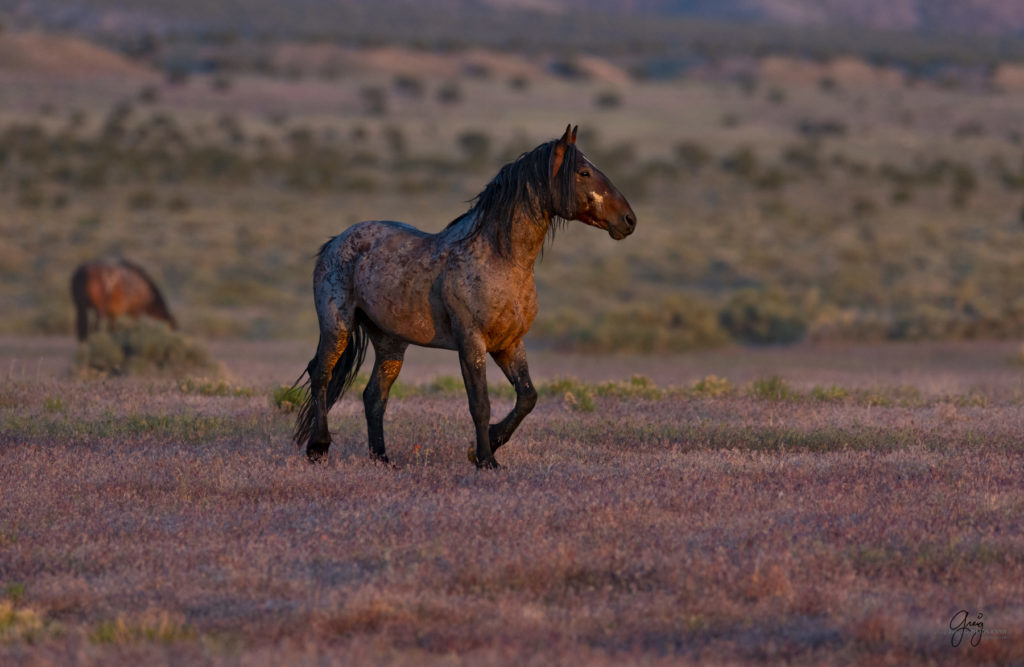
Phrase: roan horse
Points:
(113, 288)
(469, 288)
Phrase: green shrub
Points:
(711, 386)
(288, 399)
(772, 388)
(143, 346)
(674, 324)
(692, 155)
(762, 316)
(828, 394)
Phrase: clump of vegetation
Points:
(772, 388)
(18, 623)
(214, 388)
(828, 394)
(143, 346)
(762, 316)
(711, 386)
(152, 627)
(288, 399)
(673, 324)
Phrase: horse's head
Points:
(585, 193)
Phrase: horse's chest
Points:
(509, 314)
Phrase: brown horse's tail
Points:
(344, 373)
(80, 297)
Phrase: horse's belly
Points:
(399, 300)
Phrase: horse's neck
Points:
(527, 239)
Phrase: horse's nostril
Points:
(630, 220)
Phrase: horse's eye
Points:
(585, 174)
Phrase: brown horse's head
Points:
(584, 193)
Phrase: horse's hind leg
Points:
(333, 341)
(388, 355)
(513, 364)
(81, 321)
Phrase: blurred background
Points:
(801, 169)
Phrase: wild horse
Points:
(112, 288)
(469, 288)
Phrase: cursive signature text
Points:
(961, 624)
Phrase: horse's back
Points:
(389, 271)
(114, 288)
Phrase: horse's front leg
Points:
(473, 359)
(512, 363)
(387, 364)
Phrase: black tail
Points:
(341, 378)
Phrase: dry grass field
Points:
(812, 504)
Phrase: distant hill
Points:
(942, 16)
(650, 37)
(950, 16)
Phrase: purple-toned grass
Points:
(145, 524)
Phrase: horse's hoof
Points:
(316, 456)
(471, 453)
(489, 464)
(380, 458)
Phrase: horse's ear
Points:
(559, 153)
(572, 139)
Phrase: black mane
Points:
(525, 187)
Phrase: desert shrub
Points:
(711, 386)
(142, 200)
(864, 207)
(18, 623)
(776, 95)
(772, 388)
(762, 316)
(518, 82)
(828, 394)
(803, 156)
(771, 178)
(150, 626)
(449, 93)
(140, 347)
(213, 388)
(674, 324)
(409, 84)
(692, 155)
(376, 100)
(288, 399)
(638, 386)
(964, 183)
(608, 99)
(577, 395)
(742, 162)
(475, 146)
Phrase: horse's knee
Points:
(528, 398)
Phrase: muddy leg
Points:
(388, 353)
(331, 346)
(473, 359)
(513, 364)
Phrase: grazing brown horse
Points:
(469, 288)
(113, 288)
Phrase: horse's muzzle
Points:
(623, 227)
